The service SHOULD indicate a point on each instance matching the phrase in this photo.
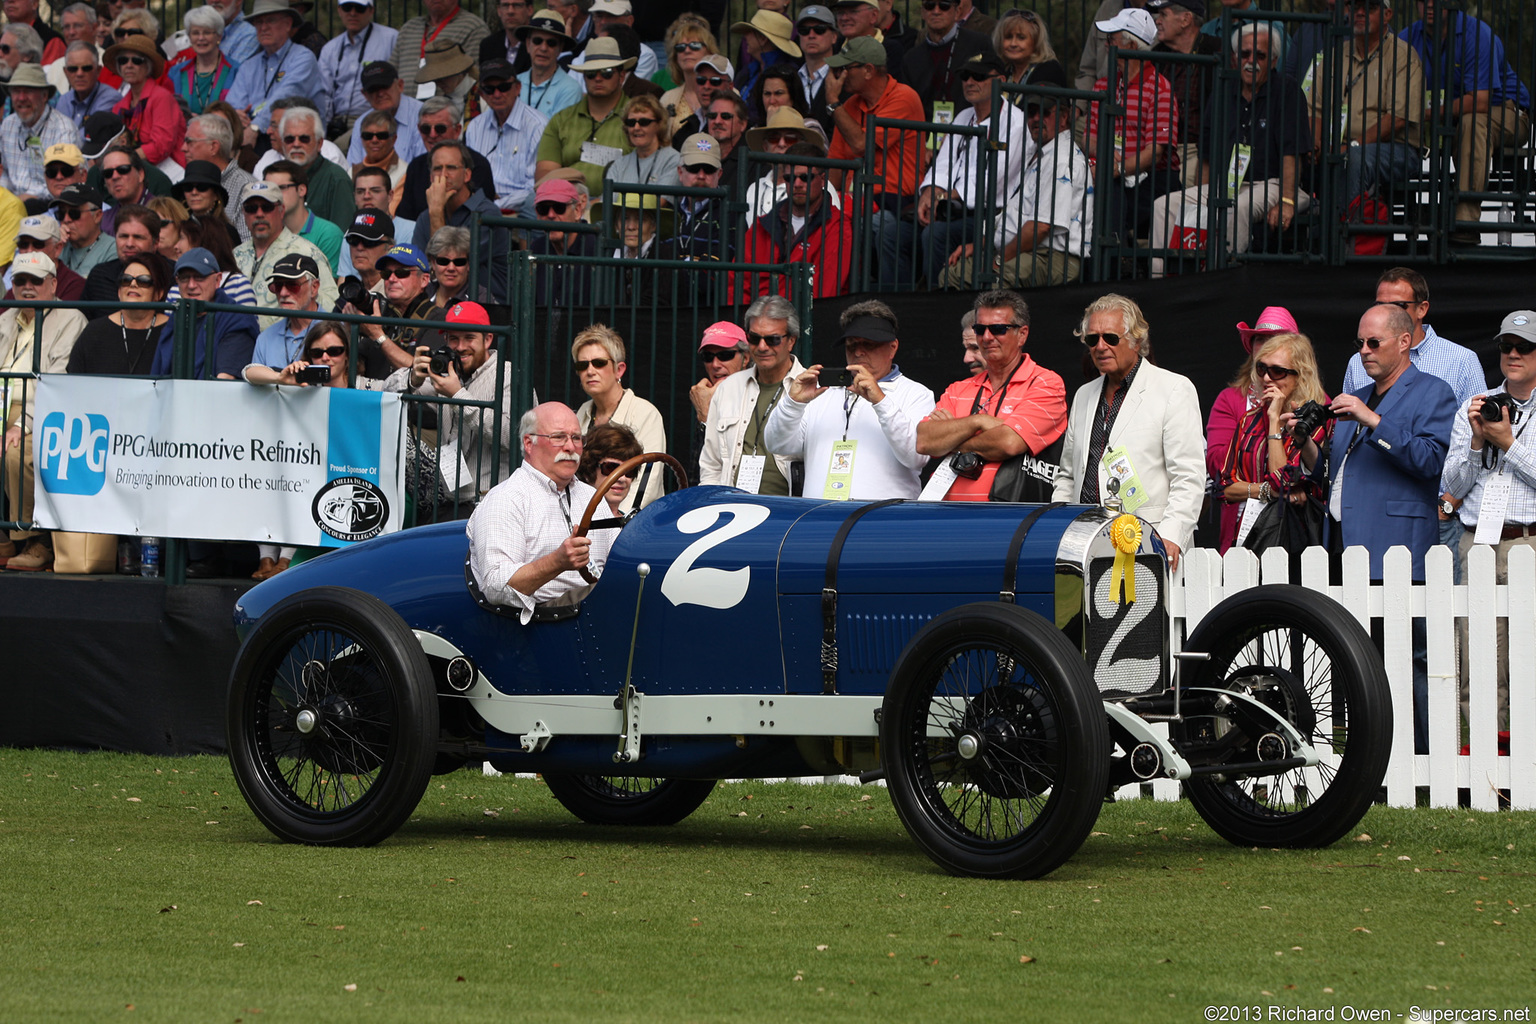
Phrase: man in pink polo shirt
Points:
(1013, 407)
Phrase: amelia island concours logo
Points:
(351, 508)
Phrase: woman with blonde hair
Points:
(1024, 43)
(689, 40)
(652, 161)
(1264, 461)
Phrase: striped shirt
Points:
(1151, 118)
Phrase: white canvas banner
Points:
(217, 460)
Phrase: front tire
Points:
(332, 719)
(995, 742)
(629, 800)
(1306, 657)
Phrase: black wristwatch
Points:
(1447, 507)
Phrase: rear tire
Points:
(629, 800)
(332, 719)
(995, 742)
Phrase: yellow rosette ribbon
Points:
(1125, 534)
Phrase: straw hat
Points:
(601, 54)
(784, 119)
(140, 45)
(779, 30)
(635, 201)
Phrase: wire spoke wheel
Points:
(629, 800)
(995, 743)
(332, 719)
(1304, 657)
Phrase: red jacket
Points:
(825, 242)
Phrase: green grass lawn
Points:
(142, 889)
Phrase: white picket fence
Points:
(1206, 578)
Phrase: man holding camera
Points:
(855, 429)
(1492, 472)
(465, 368)
(295, 285)
(403, 269)
(1384, 463)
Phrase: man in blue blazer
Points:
(1384, 462)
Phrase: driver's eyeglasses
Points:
(772, 340)
(560, 438)
(334, 351)
(596, 364)
(607, 466)
(1274, 372)
(996, 330)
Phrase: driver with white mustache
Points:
(521, 552)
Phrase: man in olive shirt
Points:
(583, 139)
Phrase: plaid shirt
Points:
(1151, 118)
(22, 147)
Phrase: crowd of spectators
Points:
(444, 117)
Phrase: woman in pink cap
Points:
(1233, 404)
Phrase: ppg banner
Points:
(217, 460)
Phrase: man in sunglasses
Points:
(63, 166)
(1134, 436)
(1490, 470)
(28, 131)
(723, 348)
(41, 234)
(1383, 464)
(403, 269)
(294, 285)
(711, 76)
(328, 188)
(735, 450)
(385, 92)
(508, 133)
(805, 228)
(725, 119)
(521, 552)
(599, 355)
(583, 139)
(932, 67)
(546, 86)
(79, 211)
(345, 60)
(33, 275)
(198, 277)
(816, 29)
(451, 202)
(438, 122)
(1014, 408)
(263, 208)
(857, 439)
(84, 93)
(558, 285)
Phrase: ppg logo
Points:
(72, 453)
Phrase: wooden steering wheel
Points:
(607, 485)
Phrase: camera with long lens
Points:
(1495, 405)
(1310, 416)
(967, 464)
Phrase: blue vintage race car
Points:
(1001, 666)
